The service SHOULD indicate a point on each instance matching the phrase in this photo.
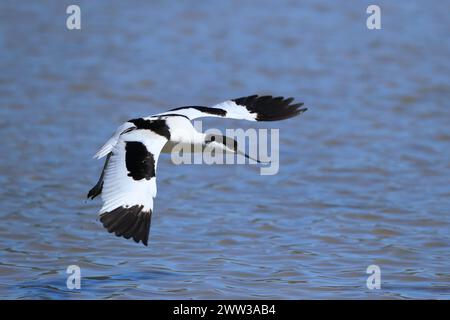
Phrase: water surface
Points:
(364, 173)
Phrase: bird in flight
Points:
(127, 183)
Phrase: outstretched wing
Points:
(129, 184)
(252, 108)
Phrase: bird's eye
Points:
(213, 138)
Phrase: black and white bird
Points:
(127, 183)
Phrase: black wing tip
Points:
(91, 194)
(131, 222)
(270, 108)
(95, 191)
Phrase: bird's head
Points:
(221, 142)
(227, 144)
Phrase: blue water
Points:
(364, 174)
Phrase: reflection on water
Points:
(364, 174)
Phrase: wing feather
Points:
(109, 145)
(251, 108)
(129, 184)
